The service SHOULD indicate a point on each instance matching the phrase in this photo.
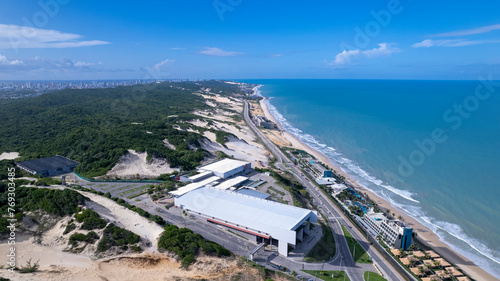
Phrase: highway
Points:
(335, 215)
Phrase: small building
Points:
(226, 168)
(48, 167)
(394, 232)
(263, 122)
(269, 222)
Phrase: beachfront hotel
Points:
(394, 232)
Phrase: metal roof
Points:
(254, 193)
(231, 182)
(192, 186)
(224, 165)
(49, 163)
(245, 210)
(200, 175)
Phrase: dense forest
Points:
(96, 126)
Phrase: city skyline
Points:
(69, 40)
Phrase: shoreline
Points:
(424, 233)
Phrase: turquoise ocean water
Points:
(432, 148)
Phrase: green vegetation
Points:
(327, 275)
(70, 227)
(122, 202)
(91, 220)
(48, 181)
(372, 276)
(186, 244)
(222, 136)
(325, 249)
(97, 126)
(360, 254)
(57, 202)
(116, 236)
(277, 191)
(29, 268)
(296, 190)
(90, 237)
(4, 169)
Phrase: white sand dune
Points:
(134, 163)
(9, 155)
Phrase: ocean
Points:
(431, 148)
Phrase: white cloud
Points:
(5, 61)
(162, 63)
(15, 36)
(346, 56)
(82, 63)
(212, 51)
(452, 43)
(478, 30)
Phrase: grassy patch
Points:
(277, 191)
(130, 191)
(137, 195)
(327, 275)
(372, 276)
(324, 249)
(360, 254)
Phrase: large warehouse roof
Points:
(249, 211)
(49, 163)
(231, 182)
(223, 165)
(192, 186)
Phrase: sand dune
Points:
(134, 163)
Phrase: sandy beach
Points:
(425, 234)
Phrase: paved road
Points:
(335, 215)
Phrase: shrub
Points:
(90, 219)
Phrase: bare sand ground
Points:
(9, 155)
(134, 163)
(426, 234)
(58, 265)
(245, 145)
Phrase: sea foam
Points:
(447, 232)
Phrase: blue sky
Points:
(237, 39)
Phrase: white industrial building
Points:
(226, 168)
(232, 182)
(195, 185)
(270, 222)
(200, 176)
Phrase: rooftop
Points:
(243, 209)
(200, 175)
(192, 186)
(231, 182)
(254, 193)
(223, 165)
(49, 163)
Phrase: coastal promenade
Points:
(335, 216)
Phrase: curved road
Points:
(335, 215)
